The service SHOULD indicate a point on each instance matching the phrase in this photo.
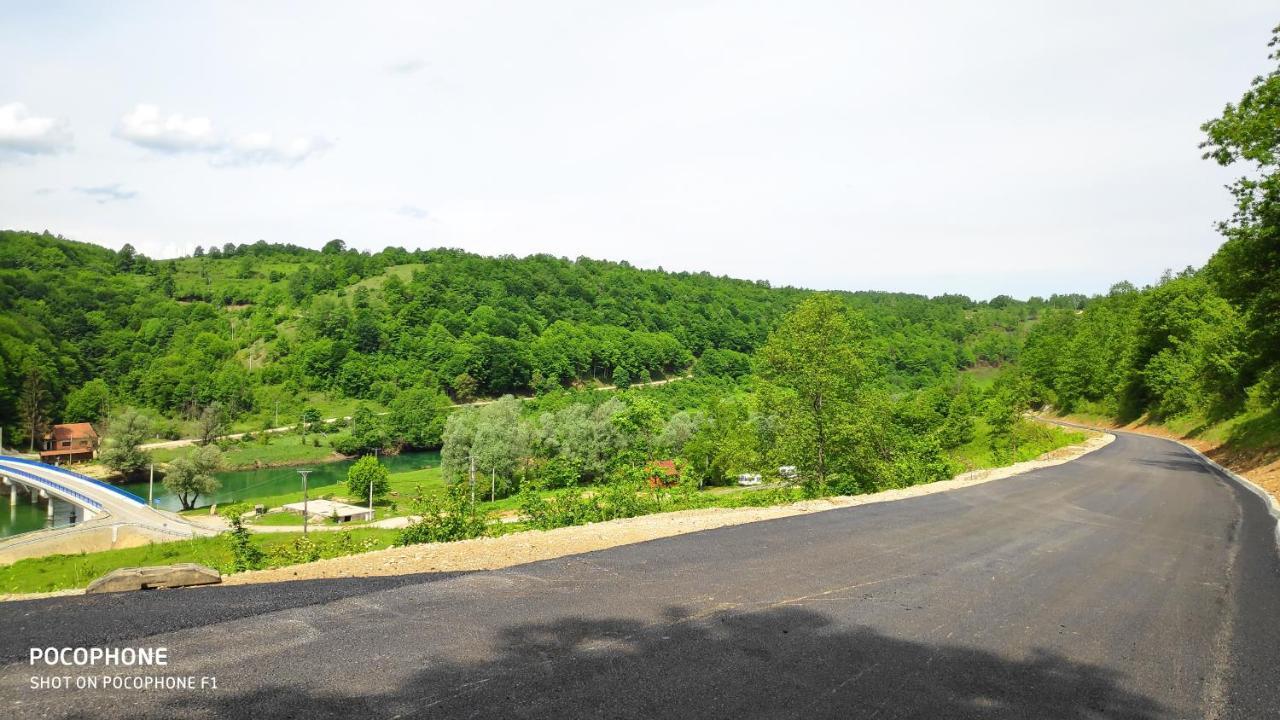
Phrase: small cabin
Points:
(72, 442)
(663, 473)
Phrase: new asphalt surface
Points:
(1135, 582)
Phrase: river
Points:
(237, 486)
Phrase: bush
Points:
(364, 472)
(301, 549)
(559, 509)
(443, 518)
(246, 555)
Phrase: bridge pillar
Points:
(49, 510)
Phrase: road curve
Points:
(1132, 583)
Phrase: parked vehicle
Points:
(788, 472)
(748, 479)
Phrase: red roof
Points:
(72, 431)
(667, 467)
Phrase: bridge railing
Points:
(55, 486)
(85, 478)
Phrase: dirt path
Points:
(533, 545)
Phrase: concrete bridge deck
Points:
(106, 517)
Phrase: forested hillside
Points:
(1200, 344)
(262, 330)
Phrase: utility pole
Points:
(151, 487)
(277, 414)
(305, 517)
(375, 457)
(493, 484)
(473, 481)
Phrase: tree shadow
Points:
(777, 662)
(127, 616)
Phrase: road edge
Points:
(1268, 500)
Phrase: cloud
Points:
(406, 67)
(24, 134)
(107, 193)
(412, 211)
(45, 191)
(149, 128)
(260, 148)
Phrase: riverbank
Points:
(286, 553)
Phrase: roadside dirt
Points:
(533, 545)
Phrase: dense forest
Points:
(254, 327)
(258, 336)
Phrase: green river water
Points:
(237, 486)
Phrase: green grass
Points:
(982, 376)
(278, 519)
(284, 449)
(1034, 439)
(60, 572)
(404, 272)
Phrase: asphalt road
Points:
(1132, 583)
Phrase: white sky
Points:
(1014, 147)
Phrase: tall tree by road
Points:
(812, 366)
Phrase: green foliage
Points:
(124, 433)
(192, 475)
(813, 366)
(365, 472)
(418, 416)
(88, 403)
(245, 555)
(443, 517)
(1246, 269)
(255, 328)
(1009, 399)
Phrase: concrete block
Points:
(148, 578)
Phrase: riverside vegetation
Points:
(851, 392)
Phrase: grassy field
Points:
(284, 449)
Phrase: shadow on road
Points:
(1175, 463)
(780, 662)
(120, 618)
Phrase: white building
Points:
(328, 509)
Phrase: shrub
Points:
(443, 518)
(365, 472)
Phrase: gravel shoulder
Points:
(533, 545)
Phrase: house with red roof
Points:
(72, 442)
